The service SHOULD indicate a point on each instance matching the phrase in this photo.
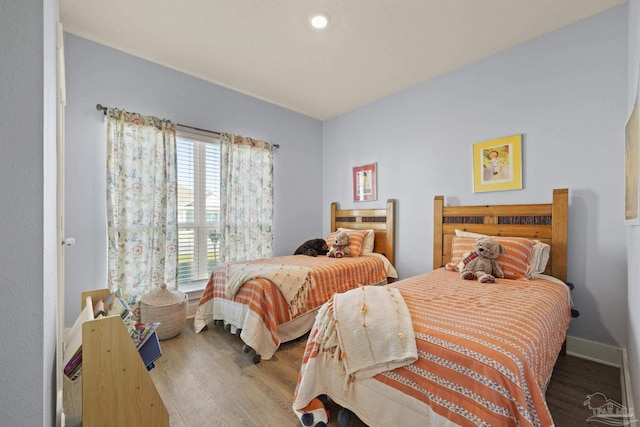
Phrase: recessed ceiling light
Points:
(319, 21)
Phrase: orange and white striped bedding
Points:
(485, 355)
(259, 308)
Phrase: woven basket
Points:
(167, 307)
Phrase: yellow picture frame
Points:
(497, 164)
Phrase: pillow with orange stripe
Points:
(369, 239)
(356, 237)
(537, 260)
(514, 262)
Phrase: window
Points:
(198, 161)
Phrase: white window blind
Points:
(198, 160)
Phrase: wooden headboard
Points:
(546, 222)
(382, 220)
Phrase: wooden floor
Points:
(206, 380)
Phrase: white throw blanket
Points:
(293, 281)
(369, 330)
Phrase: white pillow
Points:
(537, 260)
(369, 239)
(461, 233)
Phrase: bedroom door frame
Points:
(61, 238)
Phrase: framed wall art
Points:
(631, 170)
(497, 164)
(365, 183)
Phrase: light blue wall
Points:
(27, 212)
(566, 94)
(99, 74)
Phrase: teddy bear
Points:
(313, 247)
(481, 264)
(340, 246)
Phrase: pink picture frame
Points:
(365, 183)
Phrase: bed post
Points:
(334, 208)
(559, 217)
(390, 231)
(438, 205)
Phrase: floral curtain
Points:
(141, 204)
(246, 193)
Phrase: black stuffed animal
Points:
(313, 247)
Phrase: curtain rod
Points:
(99, 107)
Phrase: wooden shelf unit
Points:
(117, 389)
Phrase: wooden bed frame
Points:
(546, 222)
(381, 220)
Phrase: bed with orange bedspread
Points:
(484, 352)
(263, 317)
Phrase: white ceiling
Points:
(371, 48)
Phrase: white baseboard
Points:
(60, 411)
(594, 351)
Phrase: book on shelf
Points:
(143, 335)
(73, 341)
(114, 304)
(73, 369)
(118, 306)
(129, 321)
(108, 301)
(150, 350)
(99, 310)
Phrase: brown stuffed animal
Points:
(481, 264)
(313, 247)
(340, 246)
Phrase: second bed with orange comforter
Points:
(260, 311)
(485, 353)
